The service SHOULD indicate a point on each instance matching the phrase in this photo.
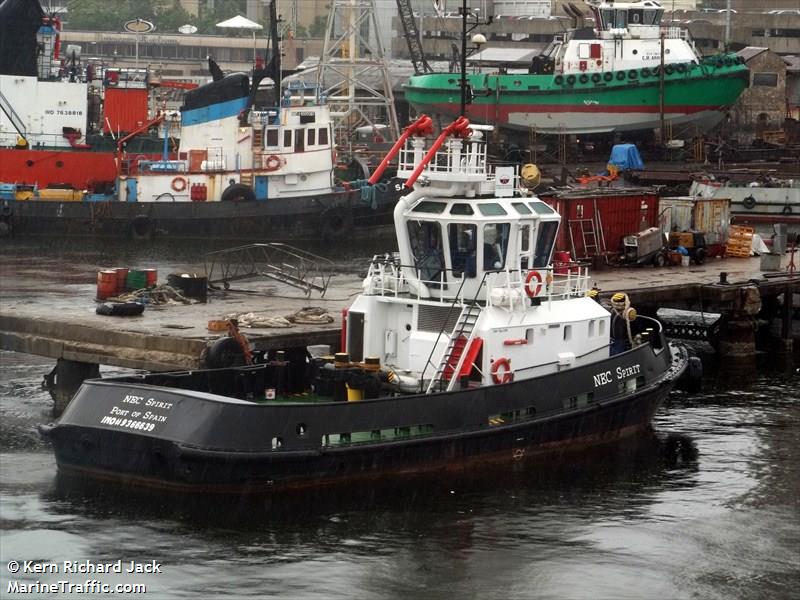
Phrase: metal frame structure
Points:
(352, 57)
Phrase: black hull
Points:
(335, 216)
(236, 450)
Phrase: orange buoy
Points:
(106, 284)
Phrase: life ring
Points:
(620, 75)
(501, 371)
(749, 202)
(559, 79)
(584, 78)
(532, 293)
(633, 74)
(273, 162)
(178, 184)
(669, 69)
(646, 72)
(596, 77)
(608, 76)
(570, 79)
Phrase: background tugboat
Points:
(466, 347)
(252, 163)
(628, 73)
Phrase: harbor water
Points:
(705, 505)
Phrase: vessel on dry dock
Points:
(628, 73)
(464, 347)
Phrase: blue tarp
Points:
(626, 156)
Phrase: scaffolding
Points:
(353, 76)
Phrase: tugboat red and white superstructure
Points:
(465, 347)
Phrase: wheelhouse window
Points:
(426, 245)
(463, 248)
(621, 19)
(461, 209)
(312, 136)
(544, 244)
(299, 141)
(323, 137)
(272, 138)
(608, 18)
(287, 138)
(495, 244)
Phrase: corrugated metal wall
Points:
(595, 224)
(124, 109)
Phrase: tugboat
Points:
(464, 347)
(628, 73)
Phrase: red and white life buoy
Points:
(178, 184)
(535, 291)
(501, 371)
(273, 162)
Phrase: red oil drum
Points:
(122, 276)
(151, 277)
(106, 284)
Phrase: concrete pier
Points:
(40, 314)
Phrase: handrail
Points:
(422, 126)
(134, 133)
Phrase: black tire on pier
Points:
(238, 192)
(700, 256)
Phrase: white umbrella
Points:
(240, 22)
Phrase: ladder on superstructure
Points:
(6, 107)
(591, 232)
(457, 349)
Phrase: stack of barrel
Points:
(112, 282)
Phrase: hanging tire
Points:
(570, 79)
(620, 75)
(608, 76)
(646, 73)
(142, 228)
(681, 68)
(559, 79)
(238, 192)
(669, 69)
(633, 74)
(224, 353)
(749, 202)
(584, 78)
(596, 77)
(336, 223)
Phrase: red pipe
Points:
(133, 134)
(458, 127)
(421, 126)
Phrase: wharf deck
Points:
(57, 321)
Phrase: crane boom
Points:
(411, 32)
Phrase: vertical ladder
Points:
(588, 237)
(9, 111)
(246, 177)
(453, 358)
